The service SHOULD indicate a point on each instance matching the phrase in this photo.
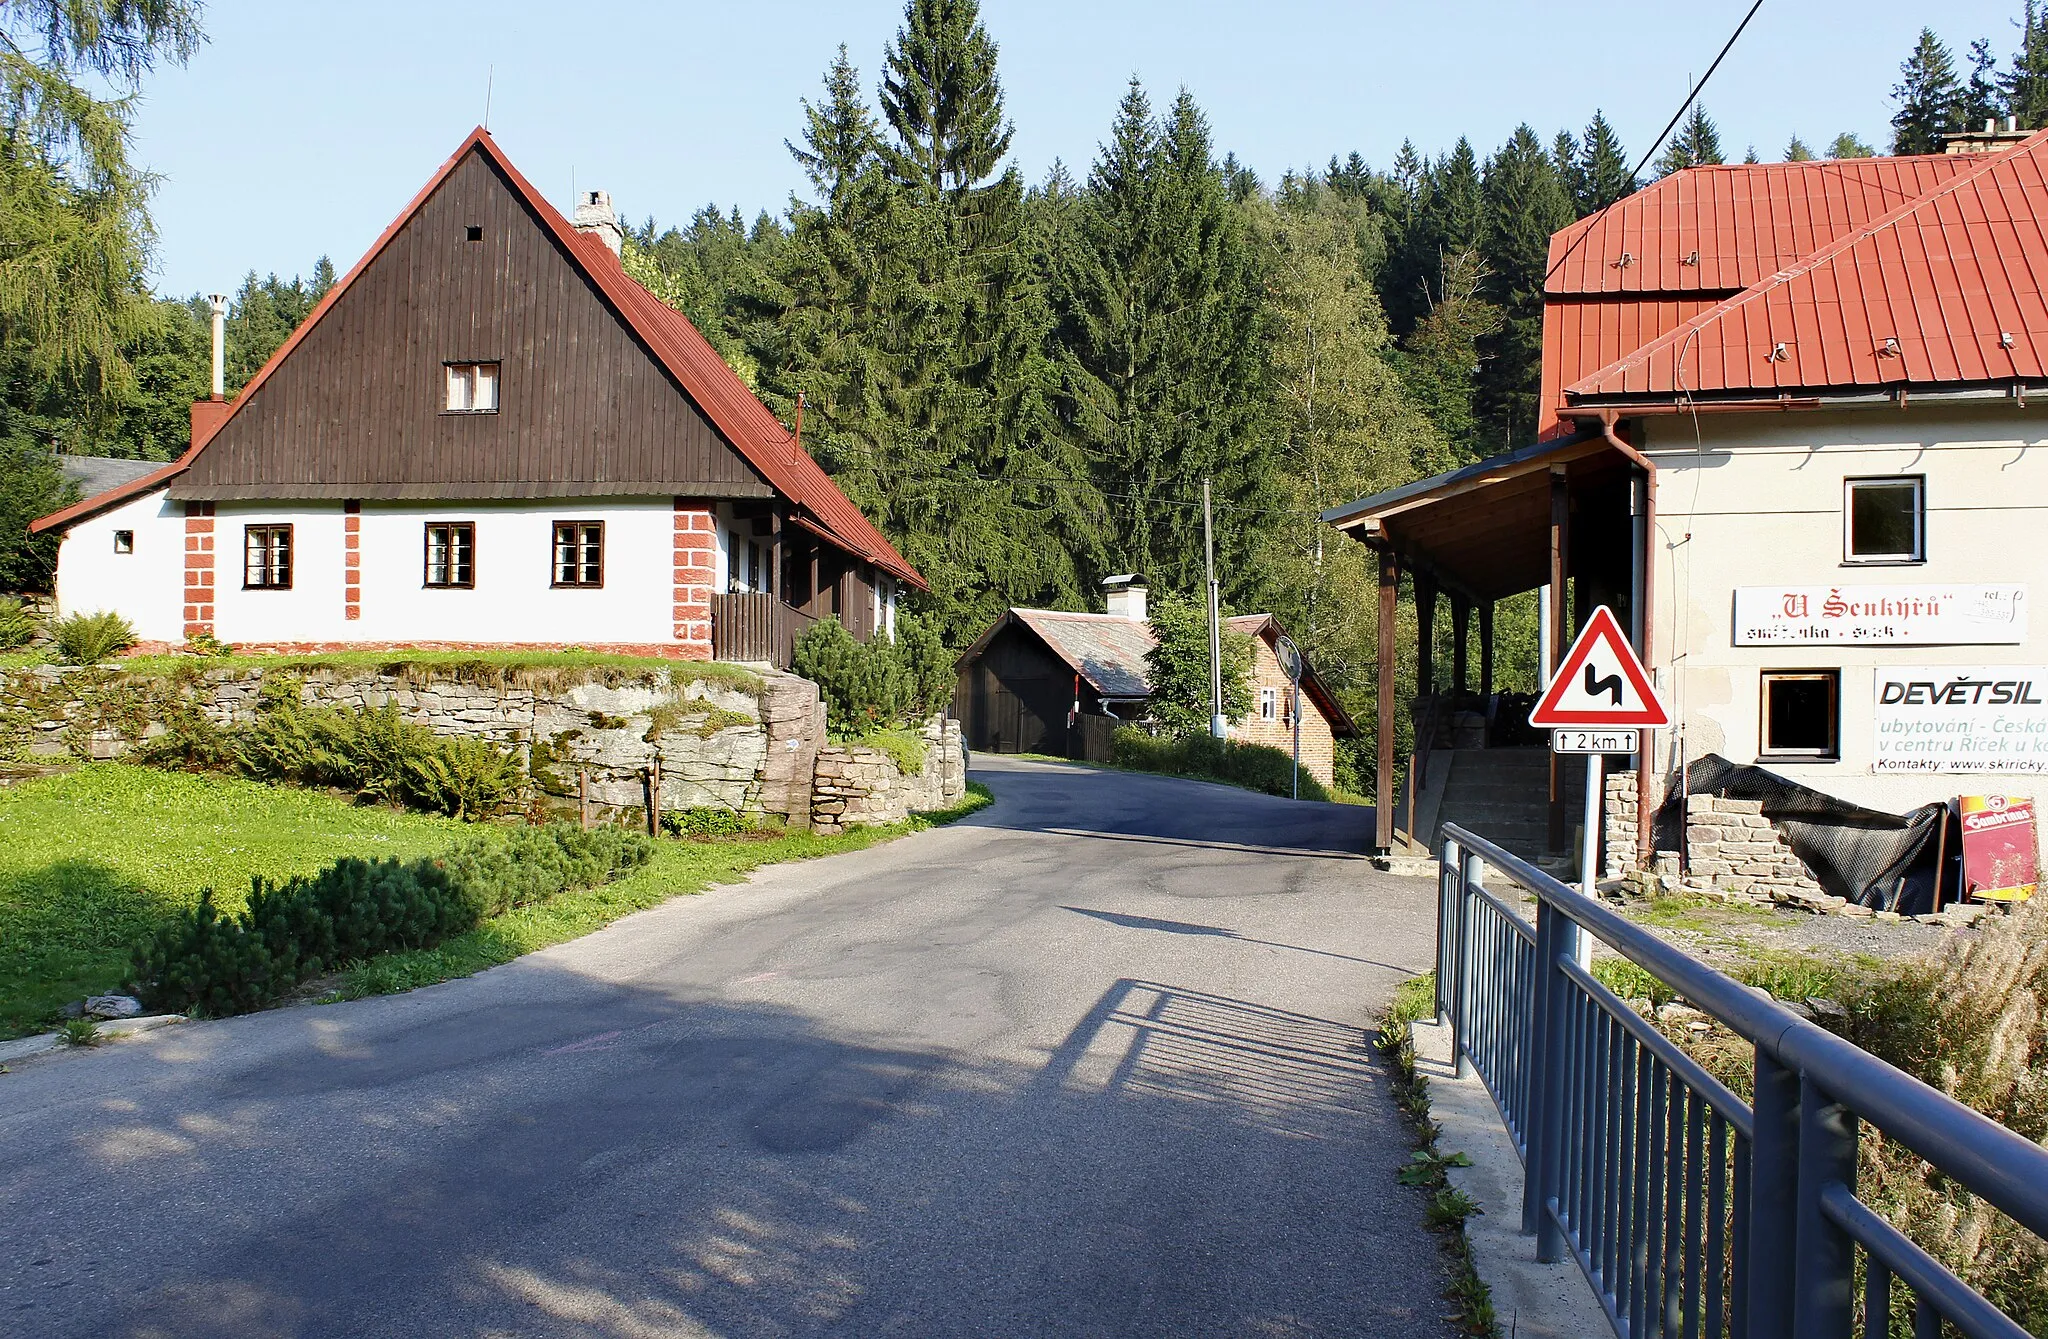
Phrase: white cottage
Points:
(486, 435)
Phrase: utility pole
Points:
(1218, 727)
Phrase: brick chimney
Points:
(594, 214)
(1124, 596)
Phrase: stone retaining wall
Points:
(858, 786)
(704, 743)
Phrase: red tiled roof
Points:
(1950, 275)
(745, 422)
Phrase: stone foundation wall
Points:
(702, 743)
(859, 786)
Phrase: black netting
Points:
(1884, 861)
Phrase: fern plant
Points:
(17, 625)
(89, 639)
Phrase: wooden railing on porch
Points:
(755, 626)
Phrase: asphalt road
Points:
(1091, 1063)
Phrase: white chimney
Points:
(594, 214)
(219, 302)
(1125, 597)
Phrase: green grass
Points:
(92, 860)
(678, 867)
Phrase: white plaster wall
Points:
(514, 599)
(146, 587)
(310, 609)
(1756, 500)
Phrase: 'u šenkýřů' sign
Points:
(1961, 718)
(1963, 615)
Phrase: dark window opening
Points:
(124, 541)
(451, 555)
(579, 553)
(1801, 714)
(1886, 520)
(474, 232)
(267, 557)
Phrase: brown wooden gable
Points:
(356, 408)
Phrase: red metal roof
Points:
(746, 423)
(1723, 228)
(1950, 277)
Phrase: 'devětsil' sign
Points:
(1961, 718)
(1972, 615)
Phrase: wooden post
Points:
(1461, 618)
(1560, 630)
(776, 584)
(583, 798)
(1383, 789)
(650, 776)
(1425, 636)
(1486, 650)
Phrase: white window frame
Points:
(473, 388)
(1269, 704)
(1850, 487)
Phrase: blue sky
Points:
(300, 130)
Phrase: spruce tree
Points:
(840, 135)
(1930, 98)
(1695, 143)
(1796, 151)
(2025, 86)
(1982, 100)
(1525, 203)
(1566, 158)
(1603, 167)
(941, 96)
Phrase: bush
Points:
(703, 821)
(1253, 766)
(378, 754)
(927, 664)
(17, 625)
(864, 685)
(92, 639)
(532, 864)
(204, 962)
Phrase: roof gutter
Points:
(1891, 397)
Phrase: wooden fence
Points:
(755, 626)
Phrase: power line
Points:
(1669, 126)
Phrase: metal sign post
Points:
(1599, 702)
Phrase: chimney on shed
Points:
(1125, 597)
(594, 214)
(219, 303)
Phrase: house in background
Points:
(1051, 681)
(1796, 434)
(486, 435)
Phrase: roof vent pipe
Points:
(219, 302)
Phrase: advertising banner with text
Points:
(1962, 718)
(1964, 615)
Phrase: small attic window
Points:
(472, 388)
(474, 232)
(124, 541)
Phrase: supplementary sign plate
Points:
(1601, 684)
(1592, 741)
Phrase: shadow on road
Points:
(1130, 922)
(1182, 1163)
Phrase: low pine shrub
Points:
(203, 962)
(864, 685)
(378, 754)
(92, 639)
(17, 625)
(1253, 766)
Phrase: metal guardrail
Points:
(1691, 1213)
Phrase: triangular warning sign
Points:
(1600, 683)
